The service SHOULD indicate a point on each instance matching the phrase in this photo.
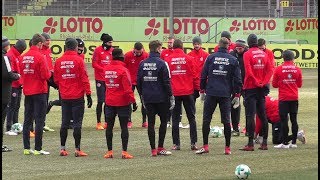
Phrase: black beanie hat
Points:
(5, 42)
(46, 36)
(226, 34)
(80, 42)
(241, 43)
(287, 55)
(106, 37)
(71, 44)
(252, 40)
(21, 45)
(196, 39)
(117, 54)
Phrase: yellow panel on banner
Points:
(306, 56)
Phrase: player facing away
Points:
(71, 76)
(153, 84)
(220, 77)
(288, 78)
(101, 57)
(119, 98)
(258, 73)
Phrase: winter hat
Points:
(117, 54)
(196, 39)
(46, 36)
(71, 44)
(287, 55)
(252, 40)
(80, 42)
(106, 37)
(5, 42)
(226, 34)
(21, 45)
(241, 43)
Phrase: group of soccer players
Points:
(165, 80)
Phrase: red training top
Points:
(132, 64)
(100, 59)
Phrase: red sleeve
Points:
(247, 67)
(56, 74)
(258, 125)
(44, 70)
(299, 80)
(84, 77)
(196, 79)
(271, 58)
(127, 86)
(269, 71)
(275, 78)
(126, 59)
(49, 60)
(96, 60)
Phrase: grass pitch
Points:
(300, 163)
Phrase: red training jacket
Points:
(165, 53)
(14, 56)
(231, 47)
(34, 72)
(257, 67)
(100, 59)
(118, 84)
(271, 57)
(272, 112)
(200, 57)
(47, 52)
(184, 79)
(132, 64)
(70, 76)
(288, 78)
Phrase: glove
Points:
(236, 101)
(202, 96)
(172, 103)
(89, 101)
(196, 94)
(134, 107)
(266, 89)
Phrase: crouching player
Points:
(71, 77)
(272, 111)
(118, 98)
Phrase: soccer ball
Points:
(17, 128)
(242, 171)
(215, 132)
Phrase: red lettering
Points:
(185, 25)
(69, 24)
(62, 28)
(178, 22)
(206, 26)
(165, 27)
(252, 24)
(88, 21)
(81, 24)
(8, 20)
(272, 24)
(194, 25)
(99, 22)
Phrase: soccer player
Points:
(240, 49)
(153, 83)
(7, 78)
(288, 78)
(199, 56)
(35, 71)
(227, 35)
(184, 81)
(119, 97)
(258, 71)
(14, 55)
(101, 57)
(71, 76)
(272, 111)
(132, 60)
(263, 47)
(220, 77)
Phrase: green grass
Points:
(300, 163)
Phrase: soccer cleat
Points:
(129, 125)
(302, 137)
(28, 151)
(227, 150)
(186, 126)
(99, 126)
(163, 151)
(168, 125)
(46, 128)
(126, 155)
(180, 125)
(105, 125)
(63, 152)
(32, 134)
(49, 106)
(203, 150)
(263, 147)
(293, 145)
(175, 147)
(244, 130)
(79, 153)
(247, 148)
(235, 133)
(6, 149)
(11, 133)
(194, 147)
(109, 154)
(281, 146)
(145, 124)
(41, 152)
(153, 152)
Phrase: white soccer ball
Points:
(215, 132)
(17, 128)
(242, 171)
